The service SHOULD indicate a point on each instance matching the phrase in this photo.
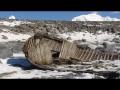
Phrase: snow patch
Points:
(13, 37)
(89, 37)
(13, 23)
(86, 76)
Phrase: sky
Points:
(55, 15)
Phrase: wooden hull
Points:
(39, 51)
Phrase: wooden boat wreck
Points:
(42, 49)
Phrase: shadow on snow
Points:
(23, 63)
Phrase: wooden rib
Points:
(91, 55)
(87, 58)
(84, 55)
(61, 50)
(101, 58)
(111, 57)
(117, 57)
(69, 50)
(98, 56)
(95, 56)
(104, 57)
(72, 51)
(108, 57)
(77, 52)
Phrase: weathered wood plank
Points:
(72, 50)
(40, 54)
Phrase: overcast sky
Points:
(54, 15)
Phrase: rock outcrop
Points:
(5, 52)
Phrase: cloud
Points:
(115, 12)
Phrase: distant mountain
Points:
(12, 17)
(94, 17)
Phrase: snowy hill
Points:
(94, 17)
(12, 17)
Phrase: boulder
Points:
(116, 40)
(1, 30)
(5, 52)
(4, 37)
(78, 42)
(69, 38)
(16, 47)
(83, 40)
(102, 49)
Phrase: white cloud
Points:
(115, 12)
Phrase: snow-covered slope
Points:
(12, 17)
(13, 23)
(7, 35)
(94, 17)
(13, 37)
(89, 37)
(93, 41)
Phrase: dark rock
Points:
(1, 30)
(4, 37)
(56, 32)
(69, 38)
(5, 52)
(83, 40)
(116, 40)
(16, 47)
(108, 47)
(104, 44)
(84, 46)
(102, 49)
(117, 34)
